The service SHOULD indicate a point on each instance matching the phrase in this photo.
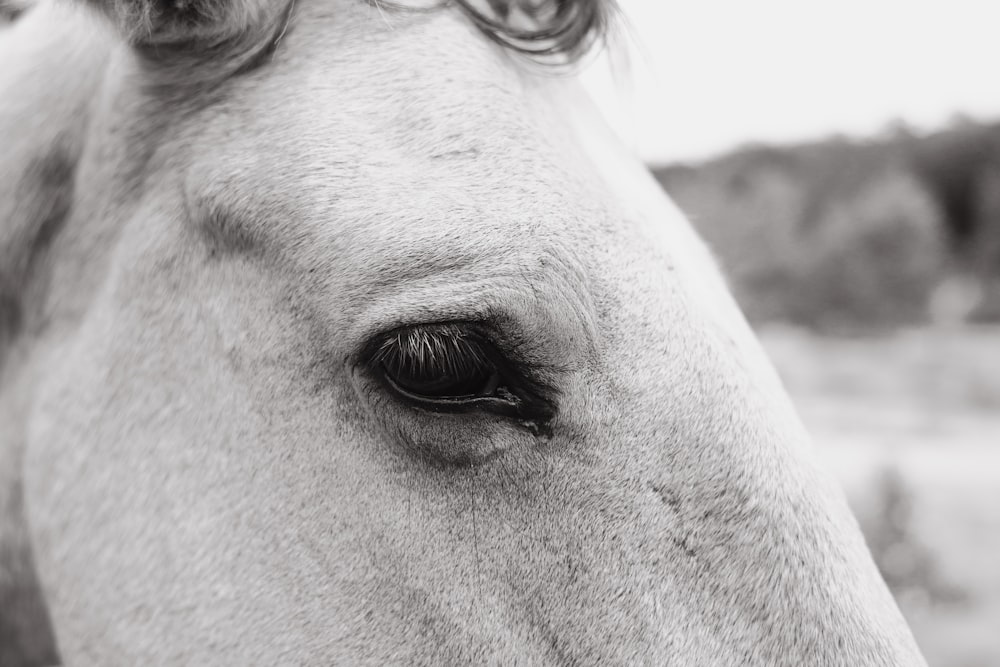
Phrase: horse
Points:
(345, 332)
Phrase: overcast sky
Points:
(706, 75)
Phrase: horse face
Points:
(386, 354)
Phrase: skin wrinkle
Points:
(284, 509)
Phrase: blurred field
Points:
(864, 264)
(910, 421)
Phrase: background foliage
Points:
(842, 234)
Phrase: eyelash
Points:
(447, 350)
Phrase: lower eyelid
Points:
(456, 404)
(410, 424)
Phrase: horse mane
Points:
(237, 34)
(545, 30)
(9, 10)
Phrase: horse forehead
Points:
(423, 87)
(360, 94)
(427, 153)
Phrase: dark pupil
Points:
(427, 382)
(438, 362)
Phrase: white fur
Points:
(210, 478)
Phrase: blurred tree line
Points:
(846, 235)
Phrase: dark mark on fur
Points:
(669, 498)
(673, 501)
(464, 153)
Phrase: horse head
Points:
(346, 333)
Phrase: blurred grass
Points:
(910, 422)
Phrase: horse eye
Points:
(439, 364)
(453, 368)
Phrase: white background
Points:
(703, 76)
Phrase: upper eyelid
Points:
(471, 342)
(510, 363)
(480, 329)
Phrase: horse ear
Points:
(190, 24)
